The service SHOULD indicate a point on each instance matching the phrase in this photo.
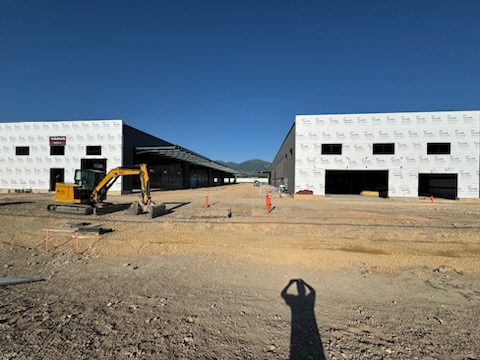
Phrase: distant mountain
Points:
(247, 167)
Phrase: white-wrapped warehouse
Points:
(408, 154)
(36, 155)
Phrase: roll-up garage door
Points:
(438, 185)
(356, 181)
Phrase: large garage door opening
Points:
(438, 185)
(355, 181)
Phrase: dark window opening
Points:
(57, 150)
(438, 148)
(94, 150)
(94, 164)
(331, 149)
(22, 150)
(383, 149)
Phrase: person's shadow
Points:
(305, 341)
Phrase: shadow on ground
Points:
(305, 340)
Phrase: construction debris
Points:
(4, 281)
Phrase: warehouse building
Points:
(36, 155)
(407, 154)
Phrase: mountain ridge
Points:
(253, 166)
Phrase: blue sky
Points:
(226, 78)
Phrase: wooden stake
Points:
(76, 241)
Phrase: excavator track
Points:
(77, 209)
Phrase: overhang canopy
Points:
(179, 153)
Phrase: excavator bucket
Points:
(153, 209)
(156, 210)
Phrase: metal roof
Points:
(179, 153)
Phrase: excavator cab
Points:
(88, 179)
(78, 193)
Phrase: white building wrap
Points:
(409, 132)
(32, 171)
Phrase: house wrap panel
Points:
(19, 172)
(410, 132)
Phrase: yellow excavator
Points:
(90, 189)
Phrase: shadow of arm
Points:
(284, 291)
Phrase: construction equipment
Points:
(90, 189)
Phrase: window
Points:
(57, 150)
(94, 150)
(22, 150)
(438, 148)
(331, 149)
(383, 149)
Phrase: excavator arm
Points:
(99, 193)
(145, 205)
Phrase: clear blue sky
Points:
(226, 78)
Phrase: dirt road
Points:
(381, 279)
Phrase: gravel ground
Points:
(337, 278)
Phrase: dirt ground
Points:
(338, 278)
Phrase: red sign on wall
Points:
(58, 140)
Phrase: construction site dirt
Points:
(333, 278)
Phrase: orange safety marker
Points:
(268, 201)
(206, 199)
(431, 198)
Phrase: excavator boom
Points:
(99, 193)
